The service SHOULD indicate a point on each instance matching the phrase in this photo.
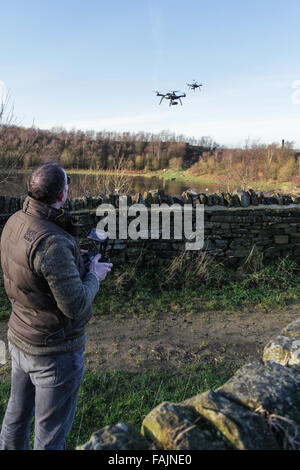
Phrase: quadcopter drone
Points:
(194, 85)
(171, 95)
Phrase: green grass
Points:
(149, 291)
(108, 398)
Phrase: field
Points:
(161, 335)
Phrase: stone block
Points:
(6, 208)
(241, 251)
(295, 237)
(213, 200)
(221, 243)
(148, 198)
(178, 427)
(290, 230)
(253, 197)
(271, 389)
(292, 329)
(244, 429)
(178, 199)
(243, 196)
(202, 198)
(118, 437)
(285, 348)
(281, 239)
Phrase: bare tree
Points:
(244, 165)
(226, 180)
(117, 181)
(10, 158)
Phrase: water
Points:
(96, 184)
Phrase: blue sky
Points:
(95, 64)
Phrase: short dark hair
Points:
(46, 182)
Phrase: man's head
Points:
(48, 183)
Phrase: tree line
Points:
(254, 162)
(24, 148)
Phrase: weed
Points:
(254, 261)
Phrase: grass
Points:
(164, 288)
(108, 398)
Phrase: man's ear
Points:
(61, 195)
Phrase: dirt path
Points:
(172, 342)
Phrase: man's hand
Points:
(100, 269)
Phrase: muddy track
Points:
(171, 342)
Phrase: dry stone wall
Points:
(257, 409)
(234, 224)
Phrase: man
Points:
(51, 292)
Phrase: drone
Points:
(171, 95)
(194, 85)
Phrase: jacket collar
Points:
(33, 207)
(59, 216)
